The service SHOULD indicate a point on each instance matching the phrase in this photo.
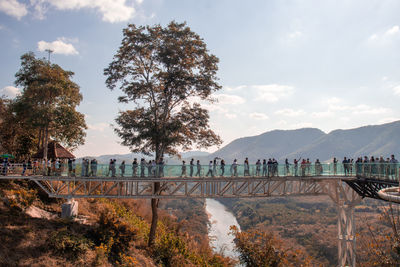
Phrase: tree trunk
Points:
(39, 139)
(154, 219)
(46, 144)
(154, 206)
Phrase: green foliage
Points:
(261, 249)
(169, 249)
(47, 106)
(114, 233)
(384, 247)
(68, 244)
(21, 198)
(160, 70)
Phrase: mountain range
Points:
(310, 143)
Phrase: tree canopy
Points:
(163, 71)
(47, 105)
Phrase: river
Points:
(220, 221)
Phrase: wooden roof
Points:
(55, 151)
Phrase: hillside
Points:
(106, 233)
(277, 144)
(312, 143)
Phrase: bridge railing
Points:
(384, 171)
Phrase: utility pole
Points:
(49, 51)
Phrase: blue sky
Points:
(284, 64)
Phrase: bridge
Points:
(346, 185)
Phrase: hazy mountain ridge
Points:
(310, 143)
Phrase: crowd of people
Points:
(378, 167)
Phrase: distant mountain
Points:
(104, 159)
(373, 140)
(273, 144)
(310, 143)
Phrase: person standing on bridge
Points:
(198, 165)
(183, 174)
(191, 167)
(296, 166)
(335, 161)
(246, 171)
(113, 167)
(69, 167)
(264, 168)
(142, 167)
(73, 167)
(318, 167)
(149, 169)
(210, 169)
(94, 166)
(258, 168)
(215, 172)
(234, 166)
(345, 166)
(222, 167)
(134, 167)
(393, 166)
(109, 167)
(303, 167)
(122, 168)
(287, 166)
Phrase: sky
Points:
(284, 64)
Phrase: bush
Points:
(69, 244)
(113, 233)
(21, 199)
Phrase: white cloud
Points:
(333, 100)
(230, 115)
(396, 90)
(273, 92)
(290, 112)
(229, 89)
(394, 30)
(111, 10)
(295, 35)
(226, 99)
(58, 47)
(373, 37)
(258, 116)
(302, 125)
(322, 114)
(100, 127)
(360, 109)
(367, 110)
(10, 91)
(13, 8)
(385, 37)
(387, 120)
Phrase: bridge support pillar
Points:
(346, 199)
(69, 209)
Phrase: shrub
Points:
(114, 233)
(68, 244)
(21, 198)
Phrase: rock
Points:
(36, 212)
(69, 209)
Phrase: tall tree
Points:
(48, 102)
(163, 71)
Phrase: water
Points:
(220, 220)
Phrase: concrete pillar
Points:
(69, 209)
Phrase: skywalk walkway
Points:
(346, 185)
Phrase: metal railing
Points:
(384, 171)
